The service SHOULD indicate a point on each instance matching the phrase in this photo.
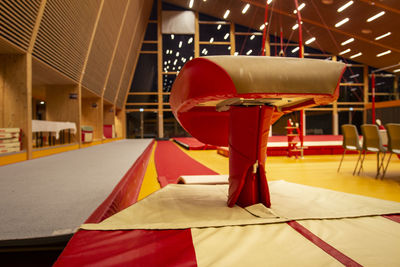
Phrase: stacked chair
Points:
(393, 131)
(350, 142)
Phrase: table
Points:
(39, 126)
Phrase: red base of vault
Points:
(248, 137)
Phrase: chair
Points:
(393, 131)
(350, 142)
(372, 142)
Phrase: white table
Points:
(53, 127)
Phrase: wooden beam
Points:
(37, 25)
(121, 26)
(385, 104)
(214, 43)
(148, 93)
(159, 68)
(196, 36)
(232, 39)
(351, 84)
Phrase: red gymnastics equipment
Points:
(233, 100)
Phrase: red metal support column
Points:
(248, 136)
(373, 98)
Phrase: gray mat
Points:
(52, 196)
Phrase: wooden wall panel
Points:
(103, 45)
(17, 19)
(120, 123)
(122, 51)
(93, 116)
(15, 92)
(108, 114)
(64, 34)
(134, 53)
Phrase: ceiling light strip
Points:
(383, 36)
(340, 23)
(347, 41)
(340, 9)
(376, 16)
(356, 55)
(246, 7)
(384, 53)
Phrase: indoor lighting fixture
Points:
(191, 58)
(396, 70)
(269, 2)
(340, 23)
(356, 55)
(376, 16)
(212, 40)
(229, 47)
(177, 54)
(246, 7)
(345, 52)
(383, 36)
(252, 37)
(299, 8)
(309, 41)
(263, 26)
(175, 61)
(41, 102)
(295, 50)
(236, 53)
(219, 27)
(180, 44)
(384, 53)
(354, 76)
(340, 9)
(226, 13)
(226, 36)
(172, 37)
(190, 40)
(348, 41)
(249, 52)
(295, 26)
(191, 3)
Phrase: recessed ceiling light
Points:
(366, 31)
(190, 40)
(295, 49)
(249, 52)
(191, 3)
(212, 40)
(175, 61)
(383, 36)
(309, 41)
(356, 55)
(376, 16)
(226, 36)
(252, 37)
(299, 8)
(246, 7)
(396, 70)
(269, 2)
(229, 47)
(340, 23)
(226, 13)
(384, 53)
(354, 76)
(340, 9)
(180, 44)
(219, 27)
(177, 54)
(345, 52)
(348, 41)
(236, 53)
(172, 36)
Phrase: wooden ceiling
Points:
(319, 19)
